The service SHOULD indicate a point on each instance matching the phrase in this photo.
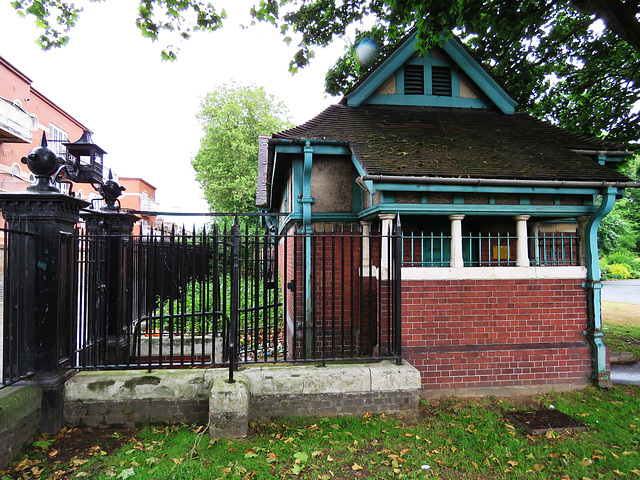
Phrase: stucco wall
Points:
(332, 185)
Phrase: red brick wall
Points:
(495, 333)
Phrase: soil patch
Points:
(70, 447)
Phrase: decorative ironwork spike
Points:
(43, 142)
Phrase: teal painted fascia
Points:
(317, 149)
(427, 100)
(408, 187)
(480, 77)
(384, 71)
(469, 209)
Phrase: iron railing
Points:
(236, 294)
(17, 362)
(490, 249)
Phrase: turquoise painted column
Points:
(306, 200)
(600, 375)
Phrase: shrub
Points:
(617, 271)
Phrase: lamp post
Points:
(84, 163)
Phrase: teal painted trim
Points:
(408, 187)
(317, 149)
(427, 101)
(306, 199)
(458, 198)
(357, 195)
(600, 375)
(469, 209)
(384, 71)
(525, 200)
(359, 168)
(455, 83)
(480, 77)
(296, 172)
(591, 234)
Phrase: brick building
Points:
(25, 114)
(499, 215)
(139, 196)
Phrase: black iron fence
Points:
(235, 294)
(17, 305)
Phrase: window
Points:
(57, 137)
(413, 80)
(16, 171)
(441, 81)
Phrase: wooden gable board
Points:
(366, 91)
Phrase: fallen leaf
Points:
(355, 466)
(586, 462)
(513, 463)
(538, 467)
(126, 473)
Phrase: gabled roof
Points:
(365, 89)
(449, 142)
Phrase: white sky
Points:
(141, 109)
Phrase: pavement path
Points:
(625, 291)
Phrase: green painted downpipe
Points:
(600, 374)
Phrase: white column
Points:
(522, 248)
(387, 229)
(366, 258)
(456, 241)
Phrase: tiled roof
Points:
(448, 142)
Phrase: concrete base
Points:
(129, 397)
(228, 409)
(19, 419)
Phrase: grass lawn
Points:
(450, 439)
(621, 325)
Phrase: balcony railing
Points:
(16, 125)
(491, 249)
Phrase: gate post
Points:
(50, 322)
(115, 227)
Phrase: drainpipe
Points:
(306, 200)
(600, 375)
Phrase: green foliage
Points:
(619, 231)
(561, 60)
(232, 117)
(557, 62)
(456, 437)
(623, 338)
(179, 17)
(617, 271)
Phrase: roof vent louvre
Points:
(413, 80)
(441, 81)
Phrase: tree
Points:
(232, 117)
(555, 56)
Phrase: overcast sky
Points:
(141, 109)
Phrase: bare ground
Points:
(623, 314)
